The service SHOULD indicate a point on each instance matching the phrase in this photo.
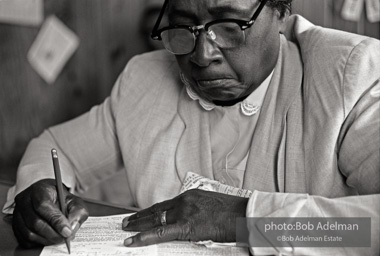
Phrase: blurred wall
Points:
(327, 13)
(109, 37)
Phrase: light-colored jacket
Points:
(318, 131)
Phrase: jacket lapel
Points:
(266, 162)
(194, 149)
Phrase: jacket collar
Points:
(194, 149)
(263, 168)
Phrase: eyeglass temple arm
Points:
(257, 12)
(158, 21)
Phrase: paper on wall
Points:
(22, 12)
(352, 9)
(54, 45)
(373, 10)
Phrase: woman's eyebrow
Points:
(228, 9)
(178, 13)
(217, 12)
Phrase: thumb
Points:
(160, 235)
(77, 212)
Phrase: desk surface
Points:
(8, 242)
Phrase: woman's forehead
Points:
(197, 5)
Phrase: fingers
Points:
(147, 223)
(149, 217)
(25, 236)
(54, 218)
(160, 207)
(41, 228)
(43, 201)
(160, 235)
(77, 212)
(194, 206)
(29, 226)
(38, 218)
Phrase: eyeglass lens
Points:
(178, 40)
(182, 40)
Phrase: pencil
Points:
(58, 180)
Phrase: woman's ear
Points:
(282, 20)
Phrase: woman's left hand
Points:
(194, 215)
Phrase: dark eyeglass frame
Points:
(243, 24)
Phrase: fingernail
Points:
(128, 241)
(75, 226)
(135, 215)
(125, 223)
(66, 232)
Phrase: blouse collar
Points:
(250, 106)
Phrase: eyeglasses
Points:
(181, 39)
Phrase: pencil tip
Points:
(68, 245)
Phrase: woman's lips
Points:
(208, 84)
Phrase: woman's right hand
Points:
(38, 220)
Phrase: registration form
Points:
(103, 236)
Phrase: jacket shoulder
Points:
(310, 37)
(147, 78)
(147, 73)
(336, 63)
(150, 64)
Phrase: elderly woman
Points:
(244, 95)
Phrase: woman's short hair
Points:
(282, 6)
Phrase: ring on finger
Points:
(163, 218)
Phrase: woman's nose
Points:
(206, 51)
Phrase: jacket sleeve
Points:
(359, 141)
(358, 159)
(87, 147)
(274, 205)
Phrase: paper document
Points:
(52, 48)
(195, 181)
(104, 236)
(22, 12)
(352, 9)
(99, 236)
(373, 10)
